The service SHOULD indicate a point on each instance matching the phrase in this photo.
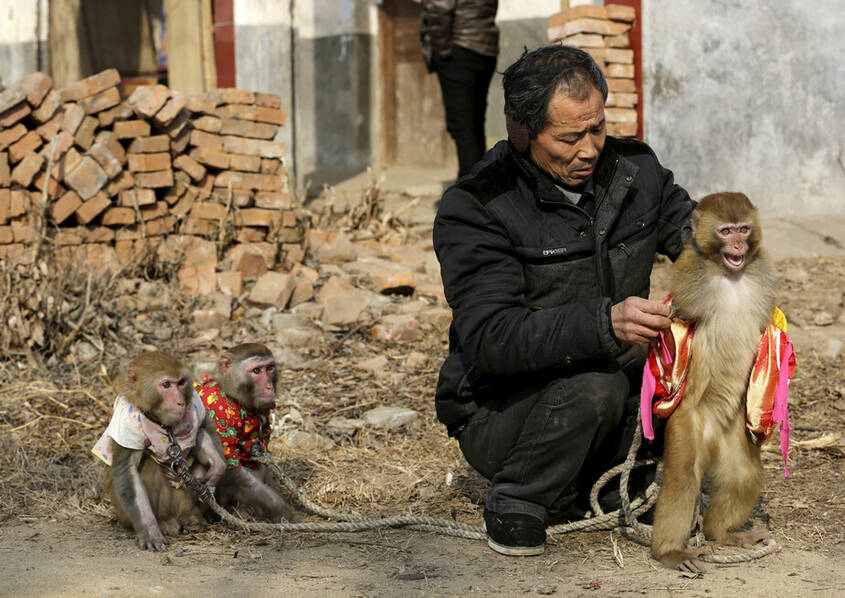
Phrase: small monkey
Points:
(159, 407)
(723, 282)
(239, 396)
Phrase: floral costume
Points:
(238, 428)
(665, 377)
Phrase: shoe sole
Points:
(516, 550)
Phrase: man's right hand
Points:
(636, 320)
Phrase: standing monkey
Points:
(239, 397)
(158, 420)
(723, 284)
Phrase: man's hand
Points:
(636, 320)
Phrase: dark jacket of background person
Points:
(469, 24)
(531, 277)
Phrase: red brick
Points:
(208, 211)
(105, 159)
(253, 147)
(201, 104)
(274, 200)
(6, 236)
(155, 179)
(617, 41)
(12, 134)
(84, 137)
(563, 25)
(146, 100)
(157, 210)
(621, 100)
(5, 173)
(206, 185)
(143, 197)
(619, 12)
(10, 98)
(210, 157)
(48, 107)
(183, 206)
(209, 124)
(251, 235)
(54, 189)
(624, 85)
(230, 283)
(160, 226)
(232, 95)
(24, 233)
(128, 129)
(179, 144)
(268, 100)
(122, 111)
(272, 116)
(21, 203)
(103, 100)
(14, 114)
(131, 233)
(67, 238)
(172, 107)
(206, 140)
(195, 226)
(66, 164)
(64, 141)
(145, 145)
(178, 124)
(118, 217)
(245, 163)
(247, 180)
(5, 205)
(35, 86)
(622, 71)
(270, 166)
(257, 217)
(63, 207)
(622, 129)
(51, 128)
(124, 180)
(91, 85)
(93, 208)
(193, 168)
(26, 145)
(87, 178)
(149, 162)
(99, 234)
(125, 252)
(246, 128)
(25, 171)
(108, 139)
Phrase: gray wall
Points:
(747, 96)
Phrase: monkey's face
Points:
(733, 238)
(174, 396)
(568, 147)
(259, 374)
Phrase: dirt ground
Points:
(59, 538)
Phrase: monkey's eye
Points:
(256, 371)
(743, 229)
(165, 384)
(725, 231)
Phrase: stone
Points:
(393, 327)
(198, 274)
(823, 318)
(439, 318)
(294, 330)
(416, 360)
(231, 283)
(344, 425)
(389, 417)
(302, 292)
(272, 289)
(300, 440)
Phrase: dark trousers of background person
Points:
(544, 445)
(464, 81)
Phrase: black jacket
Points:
(530, 277)
(470, 24)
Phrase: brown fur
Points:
(706, 435)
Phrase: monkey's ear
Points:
(132, 377)
(225, 364)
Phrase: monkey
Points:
(239, 397)
(723, 282)
(145, 494)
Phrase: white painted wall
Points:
(749, 96)
(24, 26)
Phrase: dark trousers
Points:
(542, 445)
(464, 81)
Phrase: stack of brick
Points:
(602, 31)
(156, 163)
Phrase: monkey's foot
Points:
(682, 560)
(745, 538)
(169, 527)
(193, 522)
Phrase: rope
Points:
(623, 519)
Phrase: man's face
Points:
(568, 147)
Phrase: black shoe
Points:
(515, 534)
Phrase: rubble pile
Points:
(125, 172)
(603, 32)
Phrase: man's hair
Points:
(536, 76)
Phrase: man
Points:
(546, 251)
(460, 42)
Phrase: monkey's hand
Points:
(152, 539)
(636, 320)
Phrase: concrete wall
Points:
(23, 42)
(749, 96)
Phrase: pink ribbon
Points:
(780, 412)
